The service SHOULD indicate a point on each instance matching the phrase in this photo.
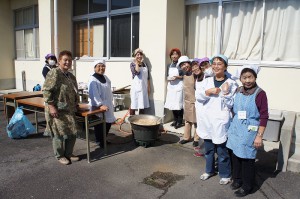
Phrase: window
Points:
(251, 30)
(90, 38)
(99, 32)
(27, 33)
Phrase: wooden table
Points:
(10, 101)
(84, 113)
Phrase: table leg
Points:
(104, 134)
(87, 137)
(36, 122)
(5, 110)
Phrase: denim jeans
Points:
(223, 158)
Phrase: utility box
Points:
(272, 131)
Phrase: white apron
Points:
(101, 94)
(197, 104)
(174, 99)
(213, 112)
(139, 90)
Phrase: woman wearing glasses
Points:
(215, 100)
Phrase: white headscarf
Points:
(237, 74)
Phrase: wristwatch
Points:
(260, 134)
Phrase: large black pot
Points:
(144, 135)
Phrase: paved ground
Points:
(166, 170)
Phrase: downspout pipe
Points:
(55, 28)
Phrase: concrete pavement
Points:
(29, 170)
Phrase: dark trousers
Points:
(178, 115)
(243, 172)
(98, 129)
(63, 145)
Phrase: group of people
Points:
(229, 120)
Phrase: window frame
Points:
(107, 14)
(35, 30)
(276, 64)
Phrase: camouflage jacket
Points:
(61, 90)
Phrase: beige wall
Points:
(15, 4)
(65, 25)
(7, 54)
(45, 28)
(280, 85)
(33, 69)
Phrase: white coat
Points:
(101, 94)
(174, 98)
(139, 90)
(213, 112)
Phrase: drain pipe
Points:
(55, 28)
(24, 80)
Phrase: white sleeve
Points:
(200, 95)
(94, 93)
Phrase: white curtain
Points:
(20, 44)
(37, 42)
(201, 30)
(249, 32)
(282, 31)
(29, 45)
(242, 26)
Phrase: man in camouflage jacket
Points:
(60, 92)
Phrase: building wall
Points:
(161, 28)
(65, 25)
(7, 76)
(33, 68)
(280, 85)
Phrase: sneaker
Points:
(205, 176)
(64, 161)
(74, 158)
(224, 181)
(198, 155)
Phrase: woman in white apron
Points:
(215, 99)
(140, 87)
(100, 95)
(206, 71)
(174, 98)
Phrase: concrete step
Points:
(294, 163)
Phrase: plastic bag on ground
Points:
(19, 126)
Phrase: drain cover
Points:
(162, 180)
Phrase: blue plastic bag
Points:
(19, 126)
(37, 87)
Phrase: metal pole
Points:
(55, 28)
(24, 80)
